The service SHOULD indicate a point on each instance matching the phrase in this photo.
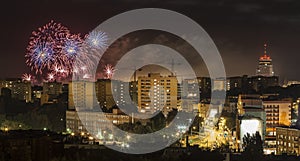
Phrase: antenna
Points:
(172, 67)
(265, 49)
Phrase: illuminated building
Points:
(278, 113)
(237, 82)
(259, 83)
(51, 90)
(296, 112)
(104, 93)
(251, 125)
(231, 104)
(156, 92)
(37, 92)
(82, 95)
(205, 85)
(93, 122)
(112, 92)
(203, 109)
(287, 141)
(265, 67)
(213, 113)
(245, 83)
(250, 108)
(290, 83)
(188, 95)
(219, 84)
(20, 90)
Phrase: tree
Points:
(253, 146)
(13, 125)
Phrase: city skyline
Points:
(149, 80)
(240, 49)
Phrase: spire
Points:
(265, 56)
(265, 50)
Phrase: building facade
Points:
(104, 93)
(287, 141)
(20, 90)
(257, 83)
(250, 110)
(93, 122)
(278, 113)
(82, 95)
(156, 92)
(51, 91)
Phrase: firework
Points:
(27, 77)
(50, 77)
(53, 49)
(86, 76)
(41, 57)
(109, 71)
(45, 46)
(97, 39)
(72, 47)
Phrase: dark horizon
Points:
(239, 29)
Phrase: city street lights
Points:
(194, 128)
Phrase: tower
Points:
(265, 67)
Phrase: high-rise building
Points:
(265, 66)
(278, 113)
(156, 92)
(189, 95)
(20, 90)
(82, 95)
(104, 93)
(205, 85)
(113, 92)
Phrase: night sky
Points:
(239, 28)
